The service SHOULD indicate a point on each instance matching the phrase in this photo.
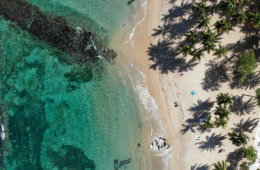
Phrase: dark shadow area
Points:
(241, 107)
(164, 58)
(164, 53)
(200, 167)
(234, 158)
(199, 112)
(202, 107)
(175, 24)
(70, 157)
(246, 125)
(251, 82)
(214, 76)
(212, 142)
(250, 42)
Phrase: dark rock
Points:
(54, 30)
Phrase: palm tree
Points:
(244, 166)
(222, 112)
(254, 19)
(197, 54)
(221, 122)
(238, 138)
(207, 124)
(239, 16)
(209, 46)
(199, 9)
(258, 96)
(250, 154)
(187, 50)
(222, 26)
(209, 39)
(221, 51)
(220, 165)
(228, 6)
(245, 65)
(191, 37)
(208, 36)
(224, 98)
(203, 22)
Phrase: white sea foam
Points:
(144, 10)
(139, 85)
(152, 113)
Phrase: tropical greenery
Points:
(250, 154)
(245, 65)
(204, 22)
(244, 166)
(220, 165)
(222, 112)
(207, 124)
(224, 99)
(187, 50)
(221, 51)
(204, 37)
(238, 138)
(199, 9)
(223, 26)
(258, 96)
(221, 122)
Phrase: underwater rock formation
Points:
(54, 30)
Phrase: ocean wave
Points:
(144, 10)
(138, 79)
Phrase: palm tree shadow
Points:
(214, 76)
(247, 126)
(234, 158)
(250, 42)
(200, 167)
(201, 107)
(212, 142)
(199, 111)
(251, 82)
(241, 107)
(175, 24)
(164, 54)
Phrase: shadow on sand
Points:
(199, 111)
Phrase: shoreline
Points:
(166, 89)
(142, 40)
(133, 47)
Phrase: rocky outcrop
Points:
(54, 30)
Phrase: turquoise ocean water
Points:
(59, 115)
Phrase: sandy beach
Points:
(158, 58)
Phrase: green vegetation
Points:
(220, 165)
(258, 96)
(245, 65)
(205, 38)
(238, 138)
(224, 99)
(223, 26)
(250, 154)
(207, 124)
(245, 166)
(221, 51)
(221, 122)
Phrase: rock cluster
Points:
(159, 144)
(54, 30)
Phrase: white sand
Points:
(171, 87)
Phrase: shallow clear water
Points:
(60, 115)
